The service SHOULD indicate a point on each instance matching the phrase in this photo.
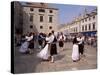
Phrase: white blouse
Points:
(29, 38)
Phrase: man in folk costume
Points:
(40, 40)
(61, 40)
(53, 47)
(82, 38)
(80, 44)
(31, 42)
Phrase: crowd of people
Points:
(47, 43)
(88, 40)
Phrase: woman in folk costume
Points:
(75, 51)
(31, 42)
(24, 46)
(53, 47)
(44, 53)
(61, 40)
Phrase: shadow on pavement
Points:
(59, 57)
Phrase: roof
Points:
(38, 5)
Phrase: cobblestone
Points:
(63, 62)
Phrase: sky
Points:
(68, 12)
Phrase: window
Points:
(51, 11)
(94, 26)
(50, 27)
(93, 17)
(31, 9)
(82, 28)
(89, 26)
(31, 26)
(31, 18)
(41, 18)
(41, 27)
(86, 27)
(41, 10)
(50, 19)
(89, 18)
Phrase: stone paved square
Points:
(63, 62)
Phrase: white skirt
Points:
(75, 52)
(44, 53)
(24, 47)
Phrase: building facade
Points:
(38, 17)
(18, 18)
(85, 24)
(89, 23)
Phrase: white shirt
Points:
(29, 38)
(83, 38)
(80, 40)
(61, 37)
(51, 38)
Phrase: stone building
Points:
(39, 17)
(89, 23)
(85, 23)
(18, 18)
(16, 21)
